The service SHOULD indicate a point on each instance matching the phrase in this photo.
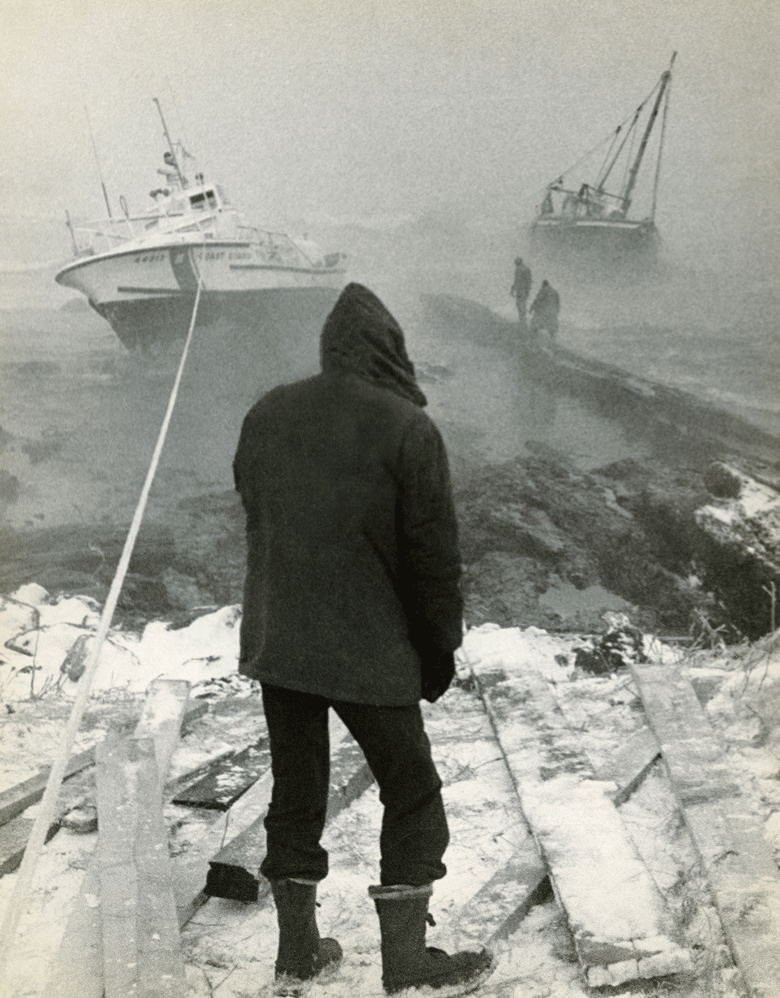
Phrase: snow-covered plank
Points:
(160, 960)
(118, 878)
(621, 926)
(206, 832)
(78, 969)
(17, 799)
(500, 905)
(737, 858)
(221, 787)
(630, 764)
(161, 719)
(234, 871)
(139, 929)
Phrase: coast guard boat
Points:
(588, 219)
(141, 271)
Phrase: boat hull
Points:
(595, 241)
(148, 296)
(152, 324)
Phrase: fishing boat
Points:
(142, 271)
(591, 217)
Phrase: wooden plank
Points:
(160, 971)
(117, 766)
(139, 929)
(221, 787)
(161, 720)
(13, 841)
(17, 799)
(497, 909)
(77, 792)
(234, 871)
(736, 857)
(621, 926)
(629, 766)
(78, 967)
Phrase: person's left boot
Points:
(302, 955)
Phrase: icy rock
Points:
(723, 481)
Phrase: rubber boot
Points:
(302, 955)
(406, 961)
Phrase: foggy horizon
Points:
(312, 114)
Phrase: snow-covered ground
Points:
(229, 947)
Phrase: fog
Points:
(448, 118)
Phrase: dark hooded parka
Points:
(352, 588)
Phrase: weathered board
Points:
(139, 930)
(502, 903)
(17, 799)
(621, 926)
(79, 967)
(221, 787)
(161, 720)
(234, 871)
(736, 857)
(160, 960)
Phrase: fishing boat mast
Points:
(632, 175)
(179, 174)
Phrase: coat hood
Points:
(361, 337)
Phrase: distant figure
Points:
(521, 289)
(171, 170)
(544, 313)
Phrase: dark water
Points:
(80, 415)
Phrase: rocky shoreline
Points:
(684, 539)
(543, 544)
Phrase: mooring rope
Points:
(37, 837)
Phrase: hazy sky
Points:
(311, 108)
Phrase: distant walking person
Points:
(544, 312)
(521, 289)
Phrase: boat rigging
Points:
(591, 220)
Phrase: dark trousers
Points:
(414, 827)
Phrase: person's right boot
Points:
(301, 955)
(406, 961)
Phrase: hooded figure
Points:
(545, 309)
(352, 602)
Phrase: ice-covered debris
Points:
(32, 594)
(47, 643)
(56, 610)
(750, 520)
(617, 649)
(233, 685)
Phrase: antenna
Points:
(97, 161)
(180, 175)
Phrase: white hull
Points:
(154, 272)
(148, 295)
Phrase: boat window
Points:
(211, 199)
(198, 202)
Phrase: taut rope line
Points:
(48, 804)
